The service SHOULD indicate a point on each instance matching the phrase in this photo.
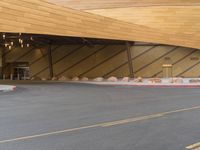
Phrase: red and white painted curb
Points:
(5, 88)
(158, 85)
(143, 85)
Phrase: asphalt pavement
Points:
(73, 116)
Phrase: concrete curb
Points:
(159, 86)
(144, 85)
(6, 88)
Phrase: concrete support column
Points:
(51, 73)
(1, 67)
(129, 57)
(2, 61)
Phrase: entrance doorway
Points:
(21, 73)
(17, 71)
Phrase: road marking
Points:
(147, 117)
(105, 124)
(46, 134)
(125, 121)
(196, 146)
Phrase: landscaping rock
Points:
(112, 79)
(36, 78)
(84, 79)
(75, 79)
(138, 80)
(44, 79)
(177, 80)
(54, 79)
(98, 79)
(125, 79)
(63, 78)
(155, 80)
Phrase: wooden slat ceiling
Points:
(177, 17)
(100, 4)
(174, 20)
(41, 17)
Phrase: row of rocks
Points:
(98, 79)
(178, 80)
(62, 78)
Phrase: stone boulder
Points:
(62, 78)
(155, 80)
(36, 78)
(112, 79)
(33, 78)
(98, 79)
(177, 80)
(75, 79)
(125, 79)
(138, 80)
(54, 79)
(44, 79)
(84, 79)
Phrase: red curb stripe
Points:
(155, 86)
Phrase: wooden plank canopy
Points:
(100, 4)
(41, 17)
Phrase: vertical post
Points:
(51, 74)
(130, 64)
(3, 62)
(18, 76)
(11, 76)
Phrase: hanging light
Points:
(9, 47)
(6, 45)
(22, 45)
(27, 45)
(20, 34)
(12, 43)
(31, 38)
(4, 36)
(20, 41)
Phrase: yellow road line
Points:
(193, 146)
(46, 134)
(130, 120)
(181, 110)
(106, 124)
(147, 117)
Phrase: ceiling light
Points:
(6, 45)
(20, 41)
